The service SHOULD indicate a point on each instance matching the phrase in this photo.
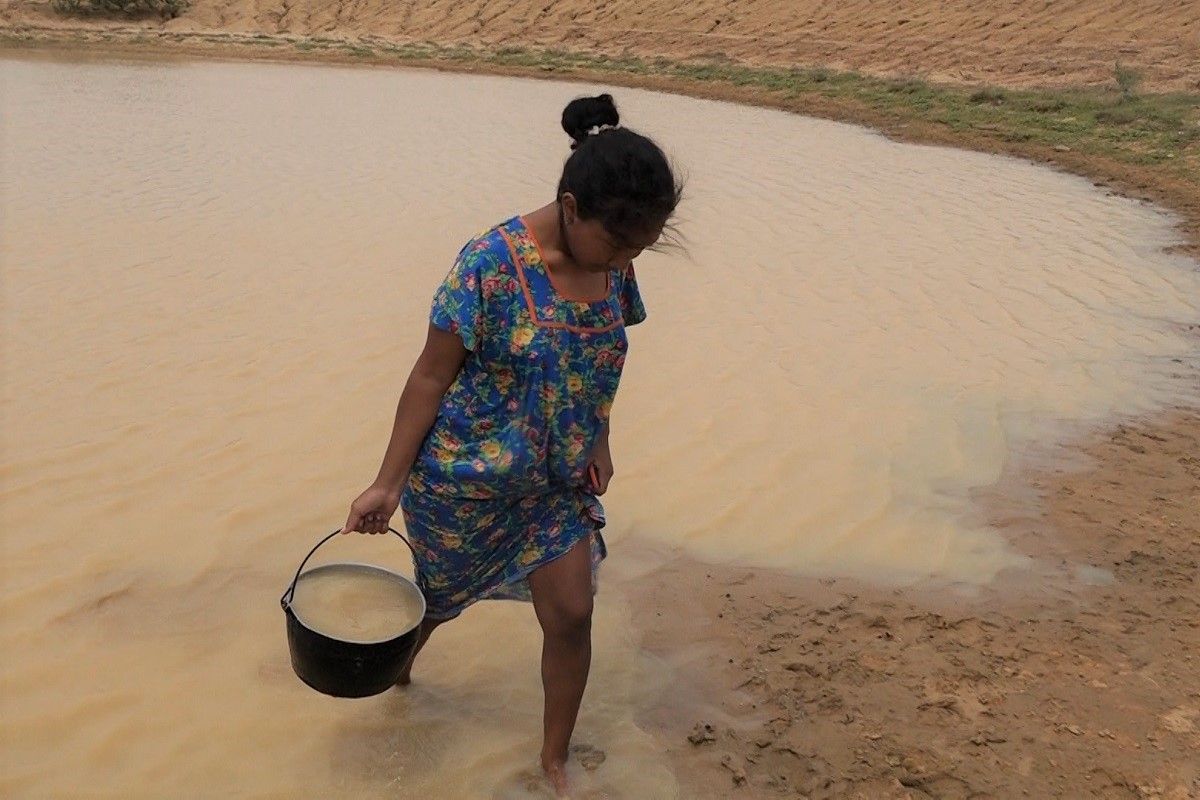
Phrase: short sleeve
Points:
(458, 305)
(631, 299)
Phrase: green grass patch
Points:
(1116, 122)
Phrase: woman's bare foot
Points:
(556, 773)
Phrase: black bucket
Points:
(348, 669)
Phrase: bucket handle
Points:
(291, 590)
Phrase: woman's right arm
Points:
(434, 372)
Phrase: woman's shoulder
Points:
(490, 249)
(487, 265)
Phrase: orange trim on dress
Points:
(550, 273)
(518, 265)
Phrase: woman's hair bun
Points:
(584, 113)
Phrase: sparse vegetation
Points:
(987, 95)
(1133, 128)
(126, 9)
(1129, 127)
(1117, 123)
(1127, 80)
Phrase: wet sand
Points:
(1074, 679)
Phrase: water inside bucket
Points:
(357, 603)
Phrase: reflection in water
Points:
(215, 278)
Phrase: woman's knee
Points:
(572, 619)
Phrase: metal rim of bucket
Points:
(290, 593)
(405, 584)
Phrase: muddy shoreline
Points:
(1075, 678)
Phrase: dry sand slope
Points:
(1005, 42)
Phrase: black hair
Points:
(617, 176)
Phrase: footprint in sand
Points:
(589, 757)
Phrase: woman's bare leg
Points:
(427, 628)
(562, 599)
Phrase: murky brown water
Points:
(215, 278)
(356, 603)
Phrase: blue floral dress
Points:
(499, 486)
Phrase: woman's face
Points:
(595, 248)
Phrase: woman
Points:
(500, 444)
